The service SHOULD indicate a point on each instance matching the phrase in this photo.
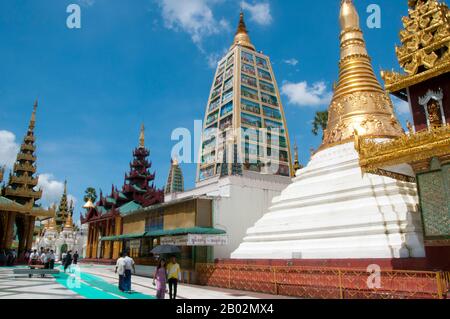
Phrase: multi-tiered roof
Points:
(23, 181)
(245, 127)
(175, 180)
(137, 192)
(424, 52)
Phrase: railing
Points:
(327, 283)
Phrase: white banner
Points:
(195, 240)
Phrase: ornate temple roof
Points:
(359, 103)
(137, 191)
(22, 182)
(424, 52)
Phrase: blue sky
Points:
(151, 61)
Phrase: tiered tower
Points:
(332, 210)
(139, 185)
(175, 181)
(22, 180)
(244, 106)
(64, 210)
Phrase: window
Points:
(266, 86)
(206, 172)
(215, 93)
(264, 75)
(251, 120)
(270, 112)
(273, 124)
(229, 72)
(218, 80)
(212, 117)
(250, 106)
(249, 93)
(249, 134)
(226, 109)
(262, 63)
(214, 105)
(227, 95)
(230, 60)
(228, 84)
(226, 122)
(209, 158)
(155, 221)
(269, 99)
(247, 57)
(248, 69)
(248, 80)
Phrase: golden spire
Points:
(89, 204)
(52, 224)
(142, 136)
(33, 117)
(241, 37)
(69, 222)
(359, 102)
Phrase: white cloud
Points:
(292, 61)
(8, 149)
(52, 190)
(401, 107)
(302, 94)
(192, 16)
(259, 12)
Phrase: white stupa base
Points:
(334, 211)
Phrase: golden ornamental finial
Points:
(33, 116)
(359, 102)
(69, 222)
(142, 136)
(241, 37)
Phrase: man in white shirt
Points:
(34, 256)
(120, 268)
(43, 259)
(129, 265)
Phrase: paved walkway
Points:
(100, 282)
(144, 286)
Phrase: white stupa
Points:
(332, 210)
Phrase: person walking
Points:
(34, 257)
(63, 258)
(160, 279)
(68, 261)
(42, 257)
(13, 257)
(120, 269)
(174, 275)
(129, 265)
(75, 258)
(51, 260)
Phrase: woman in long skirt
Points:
(160, 279)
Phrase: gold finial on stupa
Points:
(89, 204)
(52, 224)
(297, 164)
(69, 222)
(359, 102)
(142, 136)
(241, 37)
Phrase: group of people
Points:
(8, 257)
(169, 273)
(124, 265)
(47, 258)
(165, 274)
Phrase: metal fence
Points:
(307, 282)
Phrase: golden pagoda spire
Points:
(241, 37)
(297, 165)
(33, 117)
(359, 102)
(142, 136)
(69, 222)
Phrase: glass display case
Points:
(251, 120)
(248, 80)
(226, 109)
(266, 86)
(269, 99)
(226, 122)
(262, 63)
(249, 93)
(264, 75)
(247, 68)
(250, 106)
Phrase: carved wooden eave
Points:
(425, 44)
(408, 149)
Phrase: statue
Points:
(434, 114)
